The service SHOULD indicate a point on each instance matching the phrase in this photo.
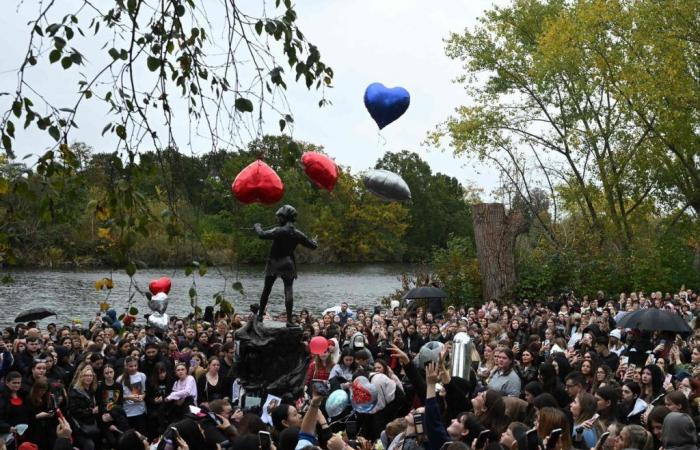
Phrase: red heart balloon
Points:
(160, 285)
(320, 169)
(258, 183)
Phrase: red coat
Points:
(316, 374)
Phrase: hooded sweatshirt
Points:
(679, 432)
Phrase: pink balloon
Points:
(318, 345)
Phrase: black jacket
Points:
(62, 444)
(23, 362)
(413, 343)
(80, 406)
(11, 415)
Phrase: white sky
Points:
(395, 42)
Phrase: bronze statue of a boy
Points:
(281, 262)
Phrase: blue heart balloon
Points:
(386, 105)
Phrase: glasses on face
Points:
(571, 386)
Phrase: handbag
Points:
(89, 429)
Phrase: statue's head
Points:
(287, 213)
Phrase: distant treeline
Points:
(86, 208)
(81, 208)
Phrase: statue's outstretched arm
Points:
(266, 234)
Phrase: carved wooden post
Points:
(495, 233)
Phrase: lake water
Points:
(72, 294)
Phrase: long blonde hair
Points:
(78, 379)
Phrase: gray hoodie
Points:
(679, 432)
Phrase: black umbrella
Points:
(34, 314)
(425, 292)
(654, 319)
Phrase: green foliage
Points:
(438, 208)
(597, 102)
(169, 209)
(657, 261)
(179, 58)
(457, 270)
(133, 207)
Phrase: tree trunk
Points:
(495, 233)
(696, 260)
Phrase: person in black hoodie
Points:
(461, 428)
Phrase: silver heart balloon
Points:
(159, 303)
(159, 321)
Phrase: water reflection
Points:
(73, 295)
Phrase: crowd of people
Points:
(556, 374)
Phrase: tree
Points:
(659, 82)
(547, 111)
(159, 58)
(595, 103)
(457, 271)
(438, 208)
(495, 234)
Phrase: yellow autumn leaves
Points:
(104, 283)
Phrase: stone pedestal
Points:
(272, 358)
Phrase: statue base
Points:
(272, 358)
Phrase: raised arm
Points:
(435, 430)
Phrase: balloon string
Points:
(381, 140)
